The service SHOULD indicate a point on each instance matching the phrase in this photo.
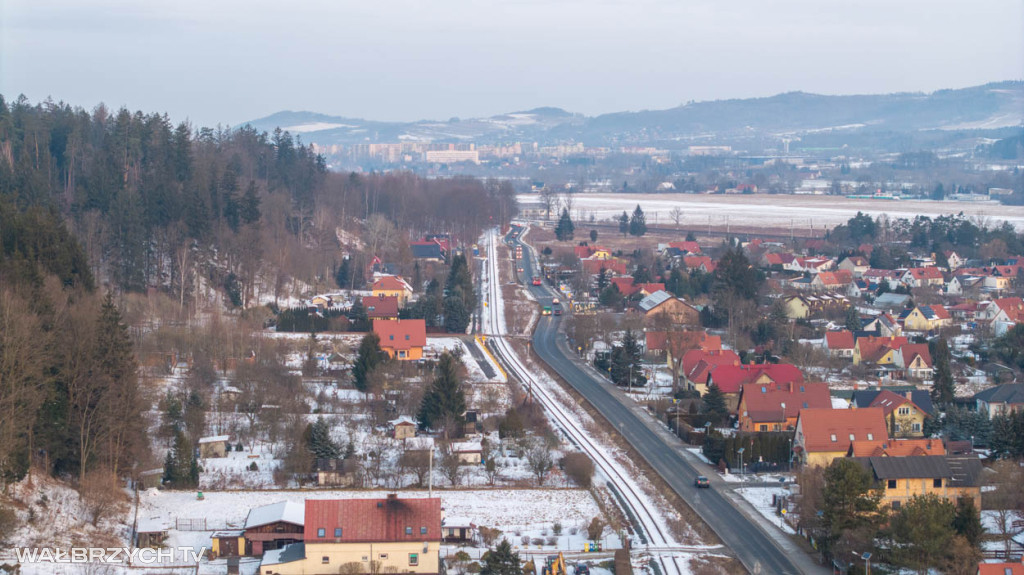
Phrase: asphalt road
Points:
(759, 551)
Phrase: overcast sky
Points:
(227, 61)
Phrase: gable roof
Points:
(911, 350)
(697, 363)
(391, 283)
(836, 278)
(654, 300)
(776, 403)
(926, 273)
(1006, 393)
(625, 284)
(682, 341)
(819, 426)
(730, 378)
(841, 339)
(283, 511)
(873, 348)
(933, 312)
(373, 520)
(920, 397)
(889, 401)
(425, 250)
(401, 334)
(595, 266)
(1013, 307)
(692, 247)
(962, 471)
(380, 306)
(1001, 569)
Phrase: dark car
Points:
(701, 481)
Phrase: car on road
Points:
(554, 301)
(536, 280)
(546, 310)
(701, 481)
(557, 310)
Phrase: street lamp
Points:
(866, 556)
(740, 453)
(790, 454)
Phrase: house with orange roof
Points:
(595, 266)
(896, 448)
(686, 246)
(592, 252)
(927, 318)
(730, 378)
(915, 360)
(775, 407)
(1001, 314)
(839, 343)
(393, 286)
(698, 363)
(877, 350)
(1000, 568)
(402, 339)
(702, 263)
(825, 434)
(838, 280)
(679, 342)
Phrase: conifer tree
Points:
(942, 385)
(249, 209)
(319, 441)
(502, 561)
(714, 406)
(369, 357)
(445, 403)
(638, 222)
(625, 363)
(565, 228)
(624, 224)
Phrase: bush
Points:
(489, 535)
(253, 466)
(8, 522)
(556, 529)
(595, 529)
(579, 468)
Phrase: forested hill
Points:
(181, 209)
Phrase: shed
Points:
(151, 532)
(151, 478)
(227, 544)
(403, 427)
(214, 446)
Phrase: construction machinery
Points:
(554, 565)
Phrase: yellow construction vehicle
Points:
(555, 565)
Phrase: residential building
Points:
(380, 307)
(403, 427)
(1001, 569)
(922, 277)
(775, 407)
(677, 310)
(836, 281)
(1000, 400)
(825, 434)
(363, 536)
(901, 478)
(915, 360)
(926, 318)
(839, 343)
(731, 378)
(402, 339)
(214, 446)
(876, 350)
(272, 527)
(896, 448)
(698, 364)
(856, 265)
(393, 286)
(903, 417)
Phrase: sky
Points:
(229, 61)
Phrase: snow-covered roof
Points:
(286, 554)
(453, 522)
(467, 446)
(286, 511)
(214, 439)
(840, 403)
(419, 443)
(152, 525)
(403, 419)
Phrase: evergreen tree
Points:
(942, 385)
(923, 532)
(170, 476)
(593, 235)
(602, 280)
(310, 366)
(368, 358)
(358, 320)
(625, 363)
(624, 224)
(460, 281)
(735, 275)
(713, 405)
(638, 222)
(853, 322)
(967, 521)
(344, 274)
(249, 209)
(456, 316)
(444, 403)
(565, 228)
(502, 561)
(849, 501)
(319, 441)
(610, 296)
(115, 365)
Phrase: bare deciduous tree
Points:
(540, 461)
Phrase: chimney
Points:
(909, 395)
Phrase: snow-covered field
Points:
(778, 210)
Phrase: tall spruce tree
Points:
(624, 224)
(444, 404)
(625, 363)
(713, 405)
(638, 222)
(319, 441)
(565, 229)
(124, 428)
(502, 561)
(368, 358)
(942, 384)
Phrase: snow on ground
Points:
(517, 513)
(761, 499)
(233, 470)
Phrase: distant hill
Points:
(996, 105)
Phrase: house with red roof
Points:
(697, 365)
(686, 246)
(915, 360)
(825, 434)
(1001, 314)
(1001, 568)
(400, 535)
(612, 266)
(923, 277)
(838, 280)
(379, 307)
(775, 407)
(393, 286)
(402, 339)
(702, 263)
(731, 378)
(627, 287)
(839, 343)
(896, 448)
(877, 350)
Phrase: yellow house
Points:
(902, 478)
(363, 536)
(797, 307)
(393, 286)
(822, 435)
(903, 417)
(877, 350)
(927, 318)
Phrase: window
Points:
(897, 428)
(833, 438)
(871, 437)
(337, 531)
(408, 530)
(414, 559)
(325, 560)
(391, 337)
(904, 411)
(423, 530)
(383, 556)
(937, 482)
(764, 427)
(891, 484)
(915, 426)
(801, 391)
(805, 405)
(406, 337)
(852, 437)
(321, 532)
